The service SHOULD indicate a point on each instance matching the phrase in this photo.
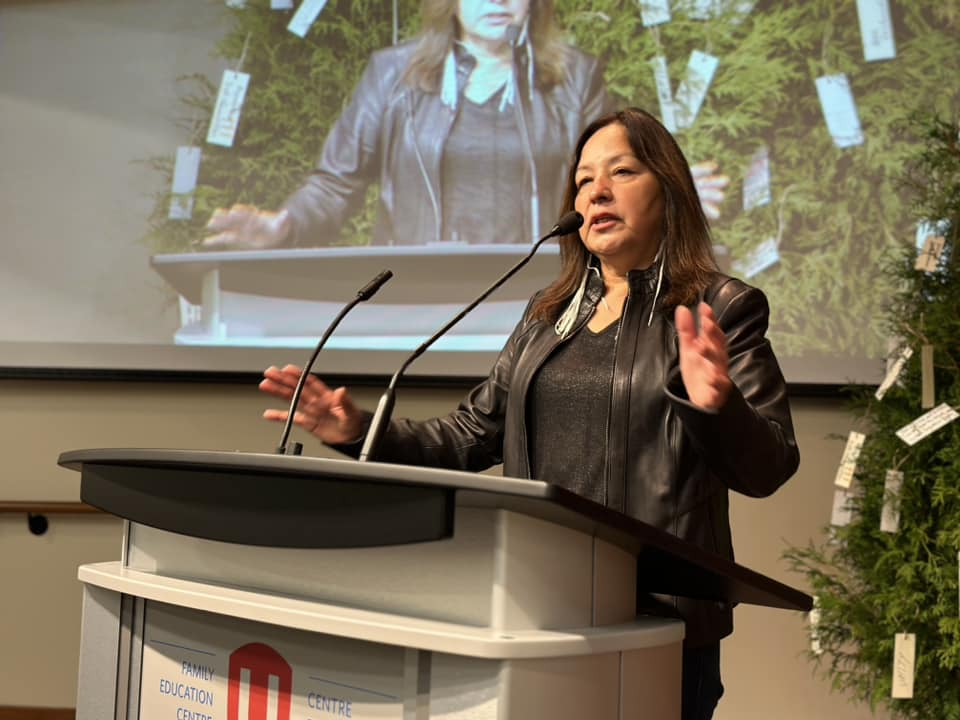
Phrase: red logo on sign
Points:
(261, 661)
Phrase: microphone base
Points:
(293, 448)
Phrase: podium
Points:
(262, 587)
(273, 298)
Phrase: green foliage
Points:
(833, 210)
(871, 584)
(285, 118)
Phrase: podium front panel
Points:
(179, 662)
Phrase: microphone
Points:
(363, 294)
(569, 223)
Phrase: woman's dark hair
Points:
(687, 246)
(439, 30)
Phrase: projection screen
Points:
(124, 125)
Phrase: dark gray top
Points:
(570, 399)
(483, 165)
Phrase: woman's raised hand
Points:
(244, 227)
(703, 357)
(329, 415)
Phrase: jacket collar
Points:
(642, 283)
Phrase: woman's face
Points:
(486, 21)
(620, 199)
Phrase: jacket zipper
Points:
(675, 432)
(423, 170)
(606, 429)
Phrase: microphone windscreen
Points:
(368, 290)
(569, 223)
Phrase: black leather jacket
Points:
(395, 134)
(670, 464)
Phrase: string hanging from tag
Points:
(825, 42)
(781, 207)
(395, 37)
(657, 42)
(195, 132)
(243, 54)
(918, 334)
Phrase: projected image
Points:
(296, 148)
(788, 111)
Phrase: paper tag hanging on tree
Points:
(704, 9)
(839, 110)
(763, 256)
(894, 345)
(842, 512)
(236, 4)
(876, 30)
(848, 463)
(664, 94)
(185, 171)
(925, 228)
(740, 10)
(226, 113)
(654, 12)
(693, 89)
(904, 658)
(710, 9)
(756, 183)
(893, 372)
(813, 617)
(927, 389)
(305, 16)
(890, 515)
(927, 423)
(929, 256)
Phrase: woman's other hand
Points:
(329, 415)
(244, 227)
(703, 357)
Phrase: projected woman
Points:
(467, 129)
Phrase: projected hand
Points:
(703, 357)
(710, 187)
(327, 414)
(244, 227)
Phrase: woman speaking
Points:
(611, 386)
